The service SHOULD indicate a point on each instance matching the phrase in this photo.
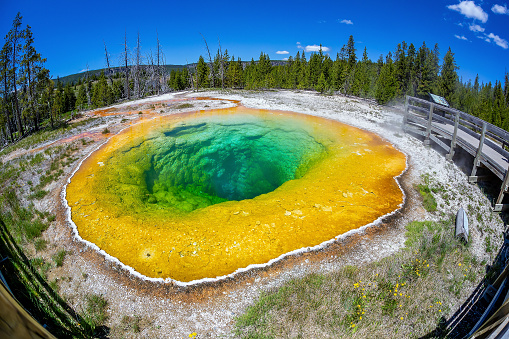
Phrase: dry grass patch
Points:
(402, 296)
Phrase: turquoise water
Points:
(198, 164)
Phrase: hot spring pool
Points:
(202, 195)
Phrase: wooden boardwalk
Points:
(450, 128)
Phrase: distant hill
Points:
(74, 78)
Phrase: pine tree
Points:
(321, 85)
(350, 53)
(303, 77)
(202, 72)
(14, 38)
(448, 76)
(401, 69)
(386, 87)
(81, 100)
(499, 107)
(411, 70)
(506, 88)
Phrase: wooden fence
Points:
(450, 128)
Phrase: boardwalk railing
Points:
(450, 128)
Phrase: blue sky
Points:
(70, 34)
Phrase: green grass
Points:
(44, 135)
(24, 224)
(37, 159)
(182, 106)
(95, 310)
(131, 323)
(58, 258)
(40, 244)
(405, 294)
(38, 195)
(429, 203)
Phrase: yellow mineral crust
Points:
(351, 187)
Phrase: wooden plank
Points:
(466, 146)
(454, 136)
(469, 132)
(487, 311)
(501, 313)
(493, 329)
(502, 134)
(503, 188)
(496, 148)
(479, 150)
(470, 118)
(415, 130)
(428, 125)
(493, 167)
(415, 118)
(422, 110)
(442, 119)
(496, 137)
(405, 116)
(441, 131)
(470, 125)
(18, 323)
(439, 142)
(422, 101)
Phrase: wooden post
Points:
(477, 160)
(428, 127)
(405, 116)
(454, 135)
(503, 189)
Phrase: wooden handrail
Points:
(485, 141)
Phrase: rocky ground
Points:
(168, 311)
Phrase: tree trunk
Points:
(210, 59)
(126, 69)
(17, 112)
(108, 64)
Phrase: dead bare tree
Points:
(108, 63)
(125, 58)
(158, 68)
(163, 74)
(191, 79)
(89, 95)
(210, 58)
(137, 68)
(222, 63)
(151, 74)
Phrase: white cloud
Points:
(498, 40)
(299, 45)
(476, 28)
(460, 37)
(83, 70)
(285, 59)
(482, 37)
(470, 10)
(500, 9)
(347, 22)
(282, 52)
(316, 48)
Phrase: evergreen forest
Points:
(31, 100)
